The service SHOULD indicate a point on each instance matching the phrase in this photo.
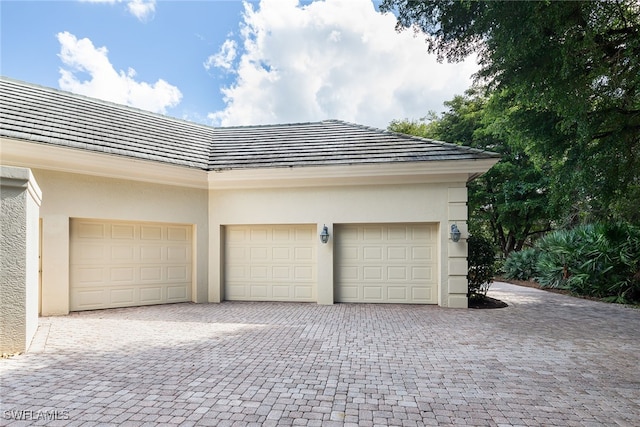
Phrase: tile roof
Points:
(48, 116)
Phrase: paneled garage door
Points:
(120, 264)
(270, 263)
(386, 263)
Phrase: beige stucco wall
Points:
(69, 195)
(441, 203)
(19, 250)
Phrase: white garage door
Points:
(386, 263)
(120, 264)
(270, 263)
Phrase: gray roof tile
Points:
(44, 115)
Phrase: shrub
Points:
(599, 260)
(481, 260)
(521, 265)
(557, 258)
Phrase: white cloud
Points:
(81, 57)
(224, 58)
(141, 9)
(331, 59)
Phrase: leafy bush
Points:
(558, 255)
(599, 260)
(481, 260)
(521, 265)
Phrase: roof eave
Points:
(352, 174)
(62, 159)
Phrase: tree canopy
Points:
(509, 203)
(567, 75)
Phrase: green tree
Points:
(510, 203)
(568, 74)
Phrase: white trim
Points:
(41, 156)
(353, 174)
(63, 159)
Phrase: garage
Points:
(270, 263)
(386, 263)
(122, 264)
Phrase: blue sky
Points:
(230, 62)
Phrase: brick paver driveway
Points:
(547, 359)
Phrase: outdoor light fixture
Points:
(455, 233)
(324, 236)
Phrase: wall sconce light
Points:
(324, 236)
(455, 233)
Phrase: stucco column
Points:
(19, 258)
(457, 285)
(325, 266)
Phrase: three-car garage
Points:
(119, 264)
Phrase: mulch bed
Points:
(486, 302)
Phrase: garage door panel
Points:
(304, 253)
(373, 234)
(259, 234)
(422, 273)
(122, 253)
(259, 291)
(281, 272)
(305, 292)
(372, 293)
(396, 233)
(372, 273)
(349, 252)
(89, 299)
(280, 291)
(151, 295)
(281, 235)
(180, 273)
(281, 254)
(397, 253)
(178, 253)
(150, 233)
(122, 274)
(397, 273)
(177, 234)
(91, 231)
(270, 263)
(397, 293)
(151, 254)
(422, 294)
(116, 264)
(122, 296)
(176, 293)
(349, 272)
(151, 274)
(85, 251)
(259, 272)
(422, 253)
(90, 275)
(122, 232)
(372, 253)
(259, 254)
(304, 273)
(391, 263)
